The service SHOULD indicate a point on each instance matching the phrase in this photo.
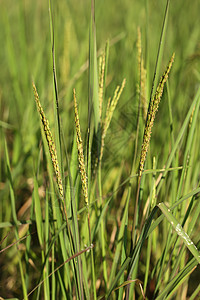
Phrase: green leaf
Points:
(179, 230)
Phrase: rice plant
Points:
(99, 180)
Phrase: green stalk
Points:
(102, 229)
(56, 102)
(160, 51)
(47, 238)
(93, 70)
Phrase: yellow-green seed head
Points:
(50, 142)
(80, 152)
(151, 115)
(101, 81)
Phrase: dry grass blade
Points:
(16, 242)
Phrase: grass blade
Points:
(93, 70)
(177, 280)
(38, 213)
(179, 230)
(14, 215)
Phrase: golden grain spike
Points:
(50, 142)
(80, 152)
(142, 78)
(139, 49)
(151, 115)
(101, 81)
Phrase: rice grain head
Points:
(142, 77)
(151, 115)
(80, 152)
(101, 81)
(50, 142)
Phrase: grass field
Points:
(99, 148)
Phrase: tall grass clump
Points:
(99, 189)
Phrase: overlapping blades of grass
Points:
(14, 216)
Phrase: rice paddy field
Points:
(99, 149)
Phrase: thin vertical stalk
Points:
(56, 103)
(102, 229)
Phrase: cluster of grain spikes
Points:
(111, 105)
(153, 107)
(51, 146)
(104, 124)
